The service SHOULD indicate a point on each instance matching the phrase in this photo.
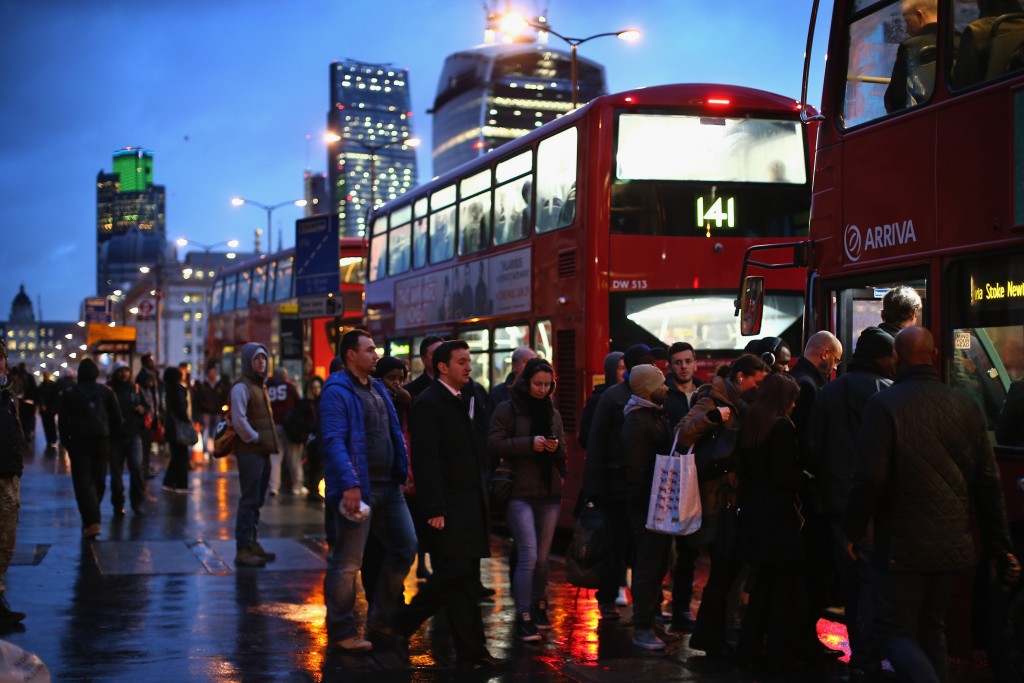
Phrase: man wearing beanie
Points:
(603, 475)
(835, 421)
(646, 431)
(88, 417)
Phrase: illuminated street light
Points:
(516, 24)
(238, 201)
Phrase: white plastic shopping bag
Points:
(21, 666)
(675, 495)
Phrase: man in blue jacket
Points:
(365, 461)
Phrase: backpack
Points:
(93, 420)
(590, 553)
(225, 438)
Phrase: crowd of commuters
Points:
(854, 489)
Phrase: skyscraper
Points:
(126, 199)
(370, 116)
(501, 90)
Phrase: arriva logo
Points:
(878, 237)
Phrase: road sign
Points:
(320, 307)
(98, 310)
(316, 256)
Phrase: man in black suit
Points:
(451, 495)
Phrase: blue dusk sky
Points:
(225, 94)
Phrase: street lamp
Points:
(371, 148)
(158, 294)
(238, 201)
(630, 35)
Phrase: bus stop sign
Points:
(316, 256)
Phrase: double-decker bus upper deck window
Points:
(685, 175)
(442, 224)
(512, 198)
(988, 41)
(419, 229)
(259, 284)
(891, 59)
(556, 181)
(475, 213)
(379, 249)
(400, 240)
(985, 334)
(217, 302)
(283, 289)
(243, 297)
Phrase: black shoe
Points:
(540, 615)
(8, 615)
(487, 662)
(684, 623)
(398, 642)
(526, 630)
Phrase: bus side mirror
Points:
(752, 305)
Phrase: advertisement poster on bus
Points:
(492, 286)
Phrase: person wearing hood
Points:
(526, 431)
(177, 408)
(12, 443)
(88, 417)
(835, 420)
(646, 431)
(614, 372)
(126, 449)
(253, 420)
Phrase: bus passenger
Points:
(900, 307)
(913, 73)
(975, 50)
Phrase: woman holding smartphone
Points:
(526, 431)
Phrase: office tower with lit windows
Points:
(127, 203)
(370, 116)
(501, 90)
(315, 193)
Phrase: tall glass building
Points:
(126, 200)
(370, 115)
(493, 93)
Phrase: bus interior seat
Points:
(921, 75)
(1007, 45)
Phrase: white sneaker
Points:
(301, 491)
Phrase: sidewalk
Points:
(157, 598)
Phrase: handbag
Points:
(499, 485)
(713, 453)
(590, 556)
(225, 438)
(674, 506)
(184, 432)
(157, 434)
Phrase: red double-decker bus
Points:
(622, 222)
(919, 180)
(255, 301)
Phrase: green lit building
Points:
(126, 200)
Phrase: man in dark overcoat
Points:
(452, 497)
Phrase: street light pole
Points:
(629, 35)
(238, 201)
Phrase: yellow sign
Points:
(105, 333)
(994, 291)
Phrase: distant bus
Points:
(919, 181)
(255, 301)
(622, 222)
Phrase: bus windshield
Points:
(688, 176)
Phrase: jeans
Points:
(391, 524)
(648, 570)
(253, 475)
(856, 595)
(909, 616)
(89, 476)
(127, 451)
(532, 522)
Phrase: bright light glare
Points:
(413, 142)
(237, 201)
(144, 270)
(630, 35)
(300, 202)
(232, 244)
(331, 136)
(512, 24)
(182, 242)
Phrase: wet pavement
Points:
(158, 598)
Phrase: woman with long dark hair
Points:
(526, 431)
(770, 479)
(176, 409)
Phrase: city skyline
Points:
(230, 99)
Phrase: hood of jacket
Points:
(249, 353)
(637, 403)
(88, 371)
(611, 367)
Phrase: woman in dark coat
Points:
(770, 524)
(176, 408)
(526, 431)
